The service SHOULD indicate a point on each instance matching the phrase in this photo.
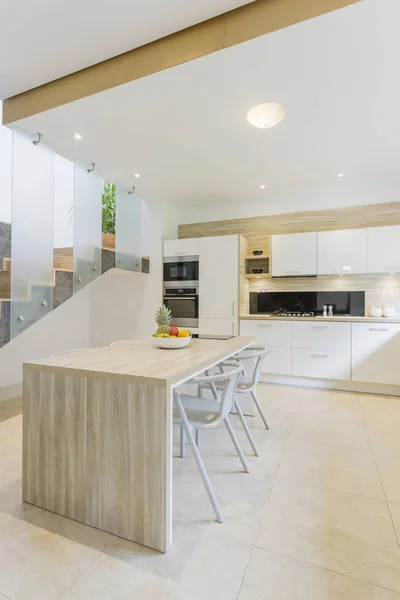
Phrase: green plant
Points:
(108, 204)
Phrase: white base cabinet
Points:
(321, 335)
(376, 353)
(321, 364)
(276, 337)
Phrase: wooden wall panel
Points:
(257, 228)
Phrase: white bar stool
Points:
(199, 413)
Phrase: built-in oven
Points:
(184, 305)
(181, 270)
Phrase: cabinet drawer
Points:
(321, 335)
(278, 361)
(323, 364)
(375, 353)
(268, 333)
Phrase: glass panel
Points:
(32, 232)
(87, 227)
(128, 224)
(5, 230)
(63, 229)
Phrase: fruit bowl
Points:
(171, 343)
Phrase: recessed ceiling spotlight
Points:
(137, 175)
(262, 187)
(265, 116)
(341, 175)
(77, 136)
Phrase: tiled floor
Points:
(318, 517)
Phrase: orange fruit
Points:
(173, 336)
(183, 333)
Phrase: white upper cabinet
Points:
(384, 249)
(219, 277)
(294, 254)
(189, 247)
(342, 251)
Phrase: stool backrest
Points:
(256, 353)
(230, 378)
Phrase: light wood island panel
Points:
(97, 433)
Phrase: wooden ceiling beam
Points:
(242, 24)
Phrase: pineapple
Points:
(163, 319)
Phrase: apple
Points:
(173, 331)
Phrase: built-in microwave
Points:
(180, 270)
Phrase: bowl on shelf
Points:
(257, 271)
(258, 252)
(171, 343)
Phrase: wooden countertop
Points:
(140, 359)
(345, 318)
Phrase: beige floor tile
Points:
(384, 429)
(395, 512)
(11, 443)
(10, 490)
(351, 434)
(36, 564)
(388, 461)
(274, 577)
(199, 565)
(329, 405)
(348, 469)
(347, 533)
(242, 496)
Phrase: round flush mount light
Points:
(262, 187)
(137, 175)
(265, 116)
(341, 175)
(77, 136)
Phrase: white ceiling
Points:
(185, 130)
(41, 40)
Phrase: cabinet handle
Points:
(268, 351)
(233, 327)
(179, 253)
(233, 309)
(392, 268)
(292, 272)
(319, 326)
(378, 329)
(319, 355)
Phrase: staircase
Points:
(42, 297)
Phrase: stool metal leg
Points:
(182, 442)
(260, 410)
(199, 460)
(236, 444)
(245, 426)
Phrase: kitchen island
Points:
(97, 433)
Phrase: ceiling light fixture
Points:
(262, 187)
(77, 136)
(265, 116)
(341, 175)
(137, 175)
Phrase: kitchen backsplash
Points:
(379, 289)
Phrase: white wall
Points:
(340, 194)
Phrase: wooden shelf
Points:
(262, 257)
(260, 276)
